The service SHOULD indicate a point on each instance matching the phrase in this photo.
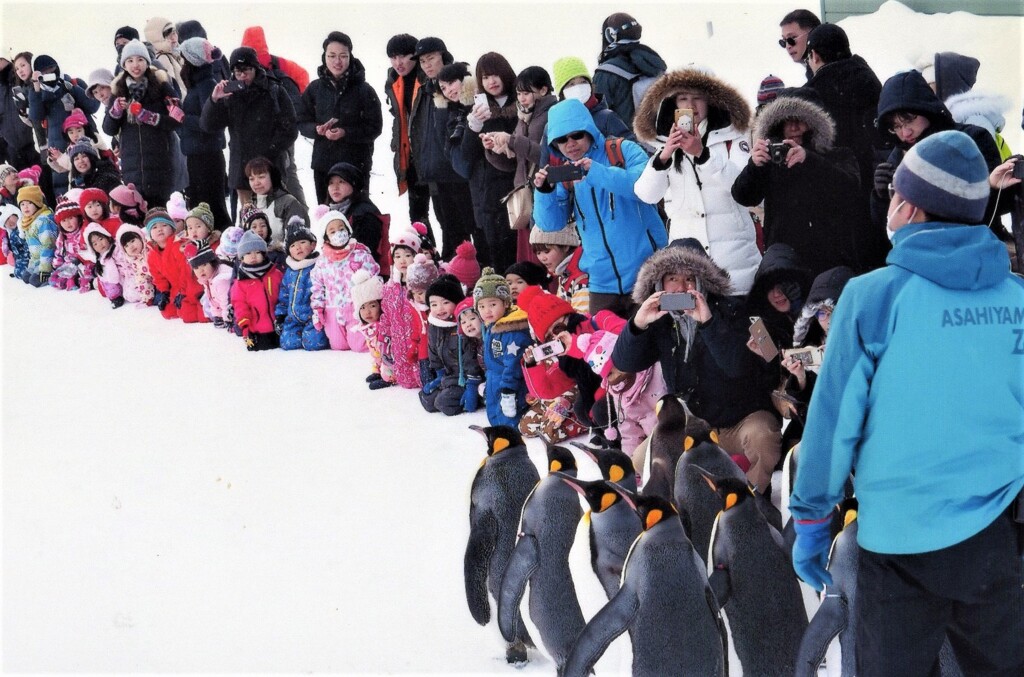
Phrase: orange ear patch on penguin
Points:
(501, 444)
(730, 500)
(608, 500)
(688, 443)
(653, 517)
(555, 466)
(616, 473)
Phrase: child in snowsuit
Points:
(96, 207)
(39, 232)
(136, 280)
(254, 294)
(199, 226)
(444, 391)
(398, 318)
(101, 249)
(163, 265)
(420, 274)
(560, 253)
(215, 278)
(471, 353)
(255, 219)
(367, 291)
(294, 311)
(127, 204)
(69, 270)
(331, 281)
(15, 252)
(505, 335)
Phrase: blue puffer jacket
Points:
(618, 230)
(921, 393)
(293, 303)
(504, 342)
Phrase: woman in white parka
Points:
(694, 171)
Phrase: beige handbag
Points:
(519, 203)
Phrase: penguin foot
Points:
(515, 653)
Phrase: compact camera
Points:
(548, 350)
(810, 357)
(777, 152)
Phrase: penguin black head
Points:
(732, 491)
(670, 411)
(597, 493)
(560, 458)
(698, 432)
(615, 465)
(653, 510)
(499, 437)
(848, 510)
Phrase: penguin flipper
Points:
(524, 561)
(829, 620)
(611, 621)
(482, 537)
(720, 585)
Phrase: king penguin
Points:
(665, 447)
(547, 530)
(665, 602)
(754, 582)
(500, 487)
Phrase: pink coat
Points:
(217, 292)
(397, 330)
(635, 404)
(331, 277)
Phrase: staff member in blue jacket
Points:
(618, 230)
(921, 396)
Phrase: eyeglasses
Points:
(575, 136)
(908, 120)
(823, 313)
(791, 41)
(242, 69)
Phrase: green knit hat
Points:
(567, 68)
(202, 212)
(491, 286)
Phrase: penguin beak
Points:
(628, 496)
(571, 481)
(708, 477)
(586, 450)
(478, 429)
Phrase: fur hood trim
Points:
(466, 93)
(659, 101)
(821, 127)
(713, 278)
(974, 103)
(514, 320)
(154, 74)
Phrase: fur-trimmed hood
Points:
(713, 278)
(466, 93)
(969, 106)
(155, 75)
(655, 116)
(821, 132)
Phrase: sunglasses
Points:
(575, 136)
(790, 41)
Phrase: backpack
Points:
(639, 83)
(285, 81)
(612, 148)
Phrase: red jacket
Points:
(254, 300)
(546, 380)
(254, 37)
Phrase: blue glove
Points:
(434, 384)
(810, 552)
(471, 396)
(424, 367)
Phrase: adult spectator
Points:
(294, 79)
(50, 101)
(162, 37)
(428, 134)
(626, 67)
(849, 92)
(618, 230)
(99, 85)
(340, 112)
(909, 112)
(795, 27)
(204, 151)
(808, 186)
(260, 119)
(703, 353)
(697, 167)
(348, 194)
(16, 135)
(89, 169)
(923, 400)
(403, 82)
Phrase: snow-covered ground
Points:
(172, 503)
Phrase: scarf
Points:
(136, 88)
(686, 326)
(254, 272)
(304, 263)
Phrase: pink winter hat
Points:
(31, 174)
(597, 350)
(176, 206)
(421, 273)
(464, 265)
(76, 118)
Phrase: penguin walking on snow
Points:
(665, 602)
(547, 530)
(500, 487)
(664, 448)
(754, 582)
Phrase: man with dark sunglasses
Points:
(796, 26)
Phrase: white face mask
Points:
(888, 220)
(579, 92)
(339, 238)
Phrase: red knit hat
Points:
(542, 309)
(93, 195)
(464, 265)
(66, 208)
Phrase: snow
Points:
(172, 503)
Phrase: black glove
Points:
(160, 299)
(883, 177)
(279, 324)
(177, 300)
(219, 323)
(117, 302)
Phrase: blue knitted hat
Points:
(946, 176)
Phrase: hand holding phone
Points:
(562, 173)
(677, 301)
(232, 86)
(761, 341)
(480, 100)
(684, 119)
(547, 350)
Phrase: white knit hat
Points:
(365, 288)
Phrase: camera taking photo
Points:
(777, 152)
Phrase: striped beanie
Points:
(769, 89)
(157, 215)
(66, 208)
(946, 176)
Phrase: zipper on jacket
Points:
(604, 238)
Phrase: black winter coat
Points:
(487, 183)
(103, 175)
(194, 139)
(261, 122)
(13, 129)
(399, 108)
(354, 104)
(428, 134)
(146, 150)
(780, 263)
(443, 353)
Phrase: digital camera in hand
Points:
(1018, 167)
(547, 350)
(561, 173)
(810, 357)
(233, 86)
(677, 301)
(777, 152)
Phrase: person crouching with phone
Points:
(617, 229)
(571, 392)
(703, 353)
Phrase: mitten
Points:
(279, 324)
(318, 319)
(174, 111)
(178, 300)
(250, 342)
(435, 383)
(148, 117)
(883, 177)
(117, 108)
(810, 552)
(160, 299)
(470, 400)
(116, 303)
(508, 403)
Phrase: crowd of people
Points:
(606, 238)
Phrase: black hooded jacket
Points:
(780, 263)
